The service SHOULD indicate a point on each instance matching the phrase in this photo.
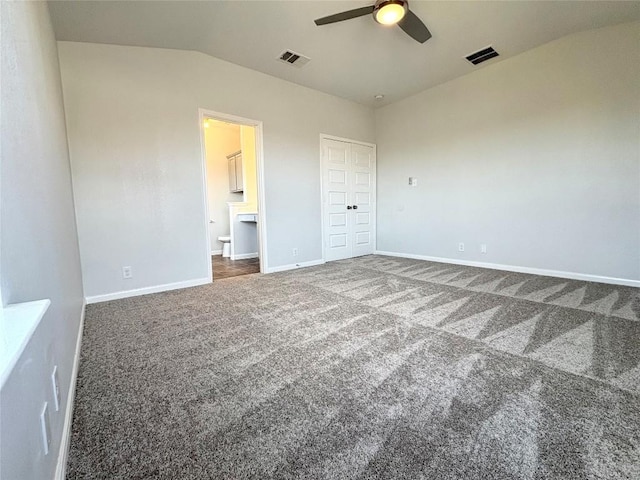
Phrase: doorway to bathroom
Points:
(232, 161)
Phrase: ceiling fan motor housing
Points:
(380, 4)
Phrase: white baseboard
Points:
(514, 268)
(216, 252)
(244, 256)
(63, 453)
(145, 291)
(292, 266)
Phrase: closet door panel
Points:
(336, 179)
(362, 189)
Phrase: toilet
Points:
(226, 245)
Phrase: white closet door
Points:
(348, 195)
(336, 159)
(362, 199)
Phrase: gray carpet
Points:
(371, 368)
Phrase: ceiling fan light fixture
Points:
(390, 12)
(385, 12)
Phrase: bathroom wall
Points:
(248, 140)
(245, 234)
(221, 139)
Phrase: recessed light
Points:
(379, 97)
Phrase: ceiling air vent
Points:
(293, 58)
(482, 55)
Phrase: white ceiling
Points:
(356, 59)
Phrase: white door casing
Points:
(261, 200)
(348, 198)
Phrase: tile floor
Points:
(225, 267)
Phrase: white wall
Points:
(138, 186)
(39, 248)
(537, 156)
(220, 140)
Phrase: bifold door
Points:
(348, 196)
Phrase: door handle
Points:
(349, 207)
(355, 207)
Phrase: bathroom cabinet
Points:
(235, 172)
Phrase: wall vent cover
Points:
(482, 55)
(293, 58)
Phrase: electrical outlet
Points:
(46, 428)
(55, 385)
(461, 247)
(483, 248)
(127, 272)
(295, 252)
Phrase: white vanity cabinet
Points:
(235, 172)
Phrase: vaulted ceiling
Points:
(356, 59)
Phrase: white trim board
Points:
(346, 140)
(146, 290)
(18, 323)
(244, 256)
(292, 266)
(518, 269)
(63, 453)
(216, 252)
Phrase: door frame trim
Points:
(204, 114)
(324, 136)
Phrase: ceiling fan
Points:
(386, 12)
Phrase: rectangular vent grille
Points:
(293, 58)
(482, 55)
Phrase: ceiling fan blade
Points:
(414, 27)
(348, 15)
